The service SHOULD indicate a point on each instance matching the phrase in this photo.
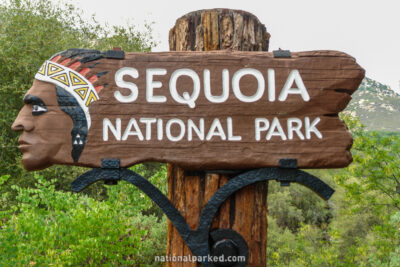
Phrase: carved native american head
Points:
(67, 83)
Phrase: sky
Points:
(368, 30)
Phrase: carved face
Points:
(45, 129)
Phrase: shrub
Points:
(61, 228)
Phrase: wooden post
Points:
(246, 211)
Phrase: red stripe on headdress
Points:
(84, 71)
(75, 65)
(65, 61)
(56, 58)
(93, 78)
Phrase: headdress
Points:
(67, 72)
(77, 86)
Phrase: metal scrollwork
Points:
(201, 242)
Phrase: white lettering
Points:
(271, 85)
(293, 85)
(294, 76)
(168, 130)
(119, 81)
(275, 125)
(259, 128)
(294, 128)
(159, 129)
(150, 85)
(216, 130)
(186, 98)
(198, 130)
(225, 87)
(231, 137)
(309, 128)
(107, 125)
(176, 129)
(129, 132)
(236, 84)
(148, 122)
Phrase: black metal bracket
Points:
(114, 54)
(282, 53)
(203, 244)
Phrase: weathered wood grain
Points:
(329, 76)
(230, 34)
(218, 29)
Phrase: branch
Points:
(390, 205)
(397, 181)
(382, 188)
(394, 177)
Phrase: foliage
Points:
(374, 177)
(6, 211)
(307, 247)
(30, 32)
(298, 226)
(60, 228)
(43, 226)
(359, 226)
(293, 206)
(372, 184)
(132, 201)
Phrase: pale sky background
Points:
(368, 30)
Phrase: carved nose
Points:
(17, 127)
(22, 123)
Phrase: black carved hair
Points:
(79, 131)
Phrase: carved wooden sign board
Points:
(200, 110)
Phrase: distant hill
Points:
(377, 106)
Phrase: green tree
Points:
(372, 185)
(30, 32)
(359, 226)
(374, 176)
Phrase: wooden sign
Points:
(200, 110)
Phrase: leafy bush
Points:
(360, 226)
(61, 228)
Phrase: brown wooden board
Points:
(329, 78)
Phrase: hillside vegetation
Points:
(377, 106)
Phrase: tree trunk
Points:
(246, 211)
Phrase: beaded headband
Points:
(73, 82)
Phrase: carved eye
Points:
(37, 110)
